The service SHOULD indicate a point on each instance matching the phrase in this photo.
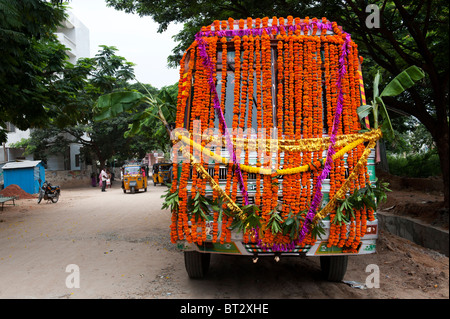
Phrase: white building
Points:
(75, 36)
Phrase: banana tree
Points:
(161, 107)
(398, 85)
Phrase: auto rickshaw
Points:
(134, 177)
(162, 173)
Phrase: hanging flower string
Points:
(326, 170)
(342, 70)
(206, 61)
(311, 63)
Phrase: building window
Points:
(10, 128)
(77, 160)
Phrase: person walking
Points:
(104, 177)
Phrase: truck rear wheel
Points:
(197, 264)
(333, 267)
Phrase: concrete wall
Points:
(415, 231)
(76, 178)
(67, 179)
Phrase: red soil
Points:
(15, 190)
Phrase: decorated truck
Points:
(270, 157)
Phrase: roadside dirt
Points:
(121, 246)
(420, 198)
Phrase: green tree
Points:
(72, 118)
(31, 59)
(410, 33)
(106, 72)
(150, 114)
(79, 86)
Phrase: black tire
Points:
(124, 190)
(55, 199)
(333, 267)
(132, 190)
(40, 197)
(197, 264)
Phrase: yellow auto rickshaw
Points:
(134, 177)
(162, 173)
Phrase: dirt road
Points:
(118, 246)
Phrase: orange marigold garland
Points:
(258, 114)
(299, 115)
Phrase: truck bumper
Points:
(237, 246)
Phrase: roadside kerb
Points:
(416, 231)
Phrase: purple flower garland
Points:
(304, 27)
(207, 63)
(340, 100)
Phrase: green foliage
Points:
(117, 103)
(171, 200)
(292, 224)
(412, 138)
(218, 206)
(44, 142)
(318, 230)
(150, 121)
(275, 221)
(80, 86)
(23, 143)
(251, 219)
(397, 86)
(403, 81)
(112, 72)
(199, 206)
(367, 197)
(78, 89)
(421, 165)
(31, 59)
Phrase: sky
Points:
(135, 38)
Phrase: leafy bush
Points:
(417, 165)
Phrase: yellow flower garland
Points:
(205, 175)
(328, 207)
(300, 117)
(343, 190)
(370, 136)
